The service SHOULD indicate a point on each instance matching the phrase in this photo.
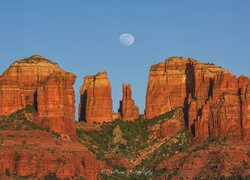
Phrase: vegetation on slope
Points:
(135, 133)
(19, 121)
(138, 138)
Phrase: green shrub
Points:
(30, 109)
(248, 153)
(18, 121)
(7, 172)
(58, 135)
(51, 176)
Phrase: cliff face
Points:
(167, 80)
(96, 101)
(56, 103)
(215, 102)
(129, 111)
(42, 83)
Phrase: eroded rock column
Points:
(96, 100)
(129, 111)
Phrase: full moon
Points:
(127, 39)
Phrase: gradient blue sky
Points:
(83, 36)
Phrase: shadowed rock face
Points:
(129, 111)
(96, 100)
(42, 83)
(216, 103)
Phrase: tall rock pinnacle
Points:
(129, 111)
(96, 100)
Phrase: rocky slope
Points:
(43, 84)
(96, 101)
(215, 102)
(161, 148)
(129, 111)
(30, 151)
(216, 159)
(35, 154)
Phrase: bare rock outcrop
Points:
(129, 111)
(56, 103)
(166, 88)
(96, 101)
(42, 83)
(214, 101)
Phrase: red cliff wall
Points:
(56, 103)
(215, 102)
(166, 87)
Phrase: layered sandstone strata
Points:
(96, 101)
(215, 102)
(129, 111)
(42, 83)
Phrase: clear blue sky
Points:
(83, 36)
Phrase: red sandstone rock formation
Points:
(215, 102)
(244, 91)
(129, 111)
(56, 103)
(96, 100)
(166, 87)
(222, 113)
(38, 154)
(42, 83)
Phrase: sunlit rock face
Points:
(166, 86)
(96, 101)
(215, 102)
(42, 83)
(129, 111)
(56, 103)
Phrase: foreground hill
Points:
(162, 148)
(30, 151)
